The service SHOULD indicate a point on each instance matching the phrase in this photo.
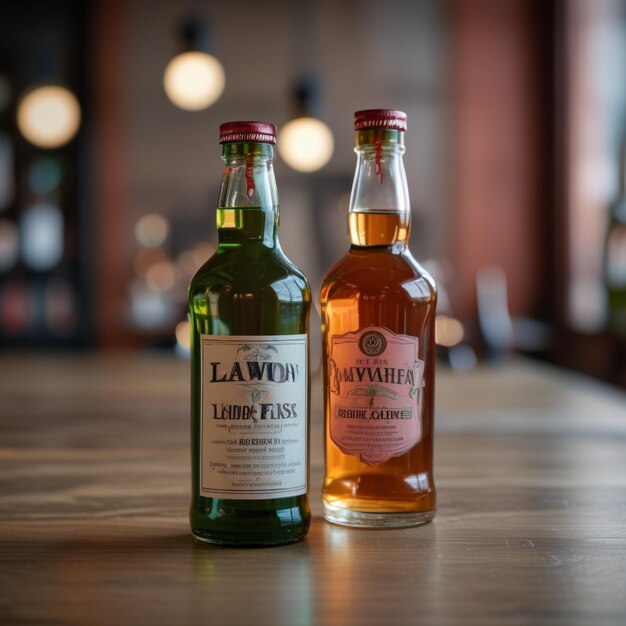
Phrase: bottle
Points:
(249, 316)
(615, 257)
(378, 312)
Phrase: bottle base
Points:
(361, 519)
(248, 542)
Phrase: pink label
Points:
(376, 381)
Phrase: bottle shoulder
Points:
(378, 272)
(250, 270)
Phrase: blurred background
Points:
(516, 160)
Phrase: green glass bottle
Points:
(249, 311)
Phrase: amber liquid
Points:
(378, 283)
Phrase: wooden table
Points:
(94, 482)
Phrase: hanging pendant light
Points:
(306, 143)
(48, 112)
(194, 79)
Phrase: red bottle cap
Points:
(380, 118)
(237, 132)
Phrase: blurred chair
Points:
(500, 332)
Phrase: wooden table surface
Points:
(94, 489)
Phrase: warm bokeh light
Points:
(48, 116)
(182, 335)
(448, 331)
(186, 263)
(189, 261)
(146, 258)
(194, 80)
(306, 144)
(151, 230)
(201, 253)
(161, 276)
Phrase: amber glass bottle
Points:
(378, 312)
(249, 312)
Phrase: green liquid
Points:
(248, 287)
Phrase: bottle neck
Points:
(379, 211)
(248, 201)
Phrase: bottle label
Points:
(254, 416)
(376, 382)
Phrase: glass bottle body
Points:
(247, 290)
(615, 269)
(378, 290)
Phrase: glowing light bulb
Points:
(151, 230)
(306, 144)
(48, 116)
(448, 331)
(194, 80)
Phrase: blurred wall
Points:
(365, 56)
(501, 143)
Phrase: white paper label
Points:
(253, 433)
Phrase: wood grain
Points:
(94, 489)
